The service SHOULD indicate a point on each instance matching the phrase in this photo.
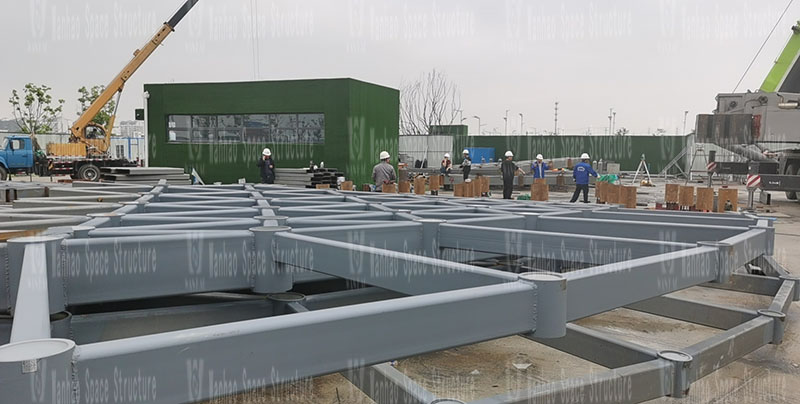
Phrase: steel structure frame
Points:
(183, 293)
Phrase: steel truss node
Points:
(172, 294)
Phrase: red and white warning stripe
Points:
(711, 166)
(753, 181)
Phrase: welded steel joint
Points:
(796, 281)
(530, 219)
(778, 324)
(769, 248)
(430, 236)
(269, 275)
(551, 303)
(681, 363)
(725, 259)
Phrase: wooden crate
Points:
(389, 188)
(540, 192)
(671, 192)
(469, 190)
(458, 190)
(599, 191)
(686, 196)
(612, 193)
(419, 185)
(433, 182)
(404, 187)
(484, 184)
(323, 186)
(705, 199)
(346, 186)
(628, 196)
(727, 194)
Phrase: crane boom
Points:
(99, 141)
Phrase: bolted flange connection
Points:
(681, 362)
(273, 220)
(778, 324)
(37, 371)
(551, 303)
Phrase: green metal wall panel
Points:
(626, 150)
(377, 108)
(373, 126)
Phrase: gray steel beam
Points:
(746, 283)
(726, 347)
(111, 269)
(602, 288)
(597, 347)
(400, 272)
(555, 245)
(284, 348)
(677, 232)
(707, 314)
(629, 384)
(394, 236)
(385, 384)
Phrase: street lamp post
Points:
(614, 122)
(610, 127)
(685, 113)
(521, 120)
(479, 123)
(505, 118)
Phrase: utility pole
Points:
(505, 118)
(610, 111)
(521, 120)
(685, 113)
(556, 120)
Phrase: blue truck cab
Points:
(16, 155)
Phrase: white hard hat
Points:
(509, 154)
(465, 151)
(447, 155)
(539, 157)
(384, 155)
(585, 156)
(266, 152)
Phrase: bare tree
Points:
(431, 99)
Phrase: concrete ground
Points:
(770, 374)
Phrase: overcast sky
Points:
(648, 59)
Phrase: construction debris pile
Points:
(145, 175)
(307, 177)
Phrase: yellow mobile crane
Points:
(89, 142)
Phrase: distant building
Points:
(129, 129)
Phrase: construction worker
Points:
(466, 164)
(446, 165)
(509, 170)
(383, 172)
(267, 167)
(539, 167)
(581, 173)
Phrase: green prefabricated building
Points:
(220, 129)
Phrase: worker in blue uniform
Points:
(581, 173)
(539, 167)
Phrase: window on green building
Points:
(250, 128)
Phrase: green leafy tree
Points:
(34, 109)
(87, 97)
